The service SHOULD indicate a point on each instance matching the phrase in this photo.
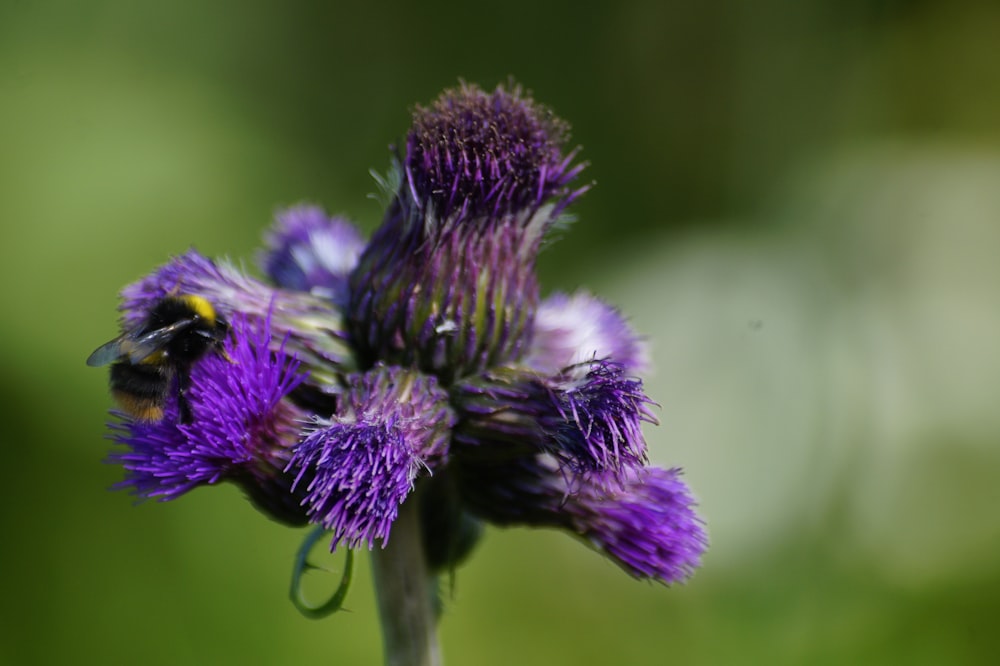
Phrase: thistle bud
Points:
(448, 283)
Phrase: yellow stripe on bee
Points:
(201, 307)
(139, 408)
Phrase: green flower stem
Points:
(403, 590)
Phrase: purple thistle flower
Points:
(573, 329)
(650, 529)
(447, 284)
(357, 467)
(308, 251)
(601, 413)
(648, 526)
(431, 363)
(242, 428)
(588, 417)
(473, 154)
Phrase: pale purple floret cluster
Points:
(424, 359)
(308, 251)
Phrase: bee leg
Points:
(185, 410)
(183, 407)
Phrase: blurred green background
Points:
(797, 201)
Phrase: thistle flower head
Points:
(476, 155)
(649, 529)
(572, 329)
(242, 427)
(358, 466)
(424, 359)
(647, 526)
(309, 251)
(587, 416)
(448, 283)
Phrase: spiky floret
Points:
(647, 526)
(650, 529)
(310, 251)
(242, 427)
(479, 155)
(355, 468)
(588, 417)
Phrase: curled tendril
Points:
(302, 565)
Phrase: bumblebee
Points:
(146, 360)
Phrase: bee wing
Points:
(109, 352)
(135, 347)
(140, 348)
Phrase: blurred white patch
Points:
(735, 352)
(843, 374)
